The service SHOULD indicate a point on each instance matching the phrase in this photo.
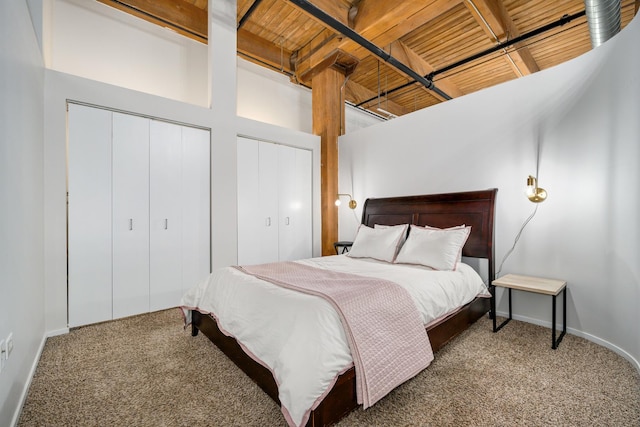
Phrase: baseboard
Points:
(25, 390)
(57, 332)
(547, 324)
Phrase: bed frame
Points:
(475, 208)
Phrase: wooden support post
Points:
(328, 116)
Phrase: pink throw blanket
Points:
(388, 341)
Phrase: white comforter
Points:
(299, 337)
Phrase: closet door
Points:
(196, 218)
(295, 188)
(250, 224)
(89, 215)
(165, 276)
(269, 204)
(130, 215)
(258, 206)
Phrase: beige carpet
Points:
(122, 373)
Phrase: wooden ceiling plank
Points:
(493, 14)
(404, 54)
(356, 93)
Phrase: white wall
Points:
(584, 115)
(270, 97)
(90, 39)
(21, 202)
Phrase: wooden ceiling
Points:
(426, 36)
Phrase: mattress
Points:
(299, 337)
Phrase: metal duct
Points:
(603, 17)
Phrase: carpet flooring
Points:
(120, 373)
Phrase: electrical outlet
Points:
(9, 345)
(3, 353)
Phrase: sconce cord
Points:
(516, 240)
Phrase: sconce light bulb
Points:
(352, 203)
(535, 193)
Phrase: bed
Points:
(474, 209)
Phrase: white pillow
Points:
(433, 247)
(377, 243)
(455, 227)
(404, 235)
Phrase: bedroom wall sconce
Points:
(352, 203)
(535, 193)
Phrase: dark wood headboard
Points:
(474, 208)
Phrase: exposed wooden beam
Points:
(337, 59)
(263, 51)
(379, 22)
(178, 15)
(328, 116)
(385, 22)
(496, 22)
(338, 9)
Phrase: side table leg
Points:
(564, 312)
(553, 324)
(492, 290)
(555, 343)
(496, 329)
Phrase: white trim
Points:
(57, 332)
(25, 390)
(547, 324)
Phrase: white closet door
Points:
(89, 210)
(286, 200)
(165, 215)
(130, 215)
(196, 218)
(295, 232)
(303, 225)
(269, 205)
(250, 221)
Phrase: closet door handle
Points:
(166, 223)
(267, 222)
(286, 220)
(130, 224)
